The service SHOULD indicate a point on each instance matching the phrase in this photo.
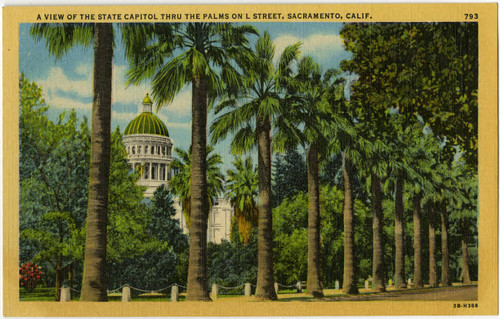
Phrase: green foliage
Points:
(154, 262)
(127, 214)
(175, 54)
(290, 224)
(53, 182)
(260, 97)
(430, 69)
(233, 263)
(289, 175)
(180, 184)
(61, 37)
(242, 189)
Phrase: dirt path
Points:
(464, 293)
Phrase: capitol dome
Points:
(146, 122)
(149, 148)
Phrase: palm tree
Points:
(242, 189)
(417, 243)
(352, 147)
(251, 124)
(465, 214)
(378, 269)
(432, 245)
(60, 38)
(204, 55)
(180, 184)
(423, 183)
(304, 122)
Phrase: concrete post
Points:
(215, 291)
(367, 285)
(174, 296)
(409, 282)
(248, 289)
(337, 285)
(299, 286)
(126, 294)
(65, 294)
(276, 287)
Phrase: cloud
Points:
(84, 69)
(181, 125)
(127, 116)
(181, 104)
(59, 102)
(61, 91)
(178, 125)
(319, 46)
(57, 81)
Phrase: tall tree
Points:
(432, 245)
(304, 123)
(59, 39)
(251, 124)
(201, 54)
(53, 157)
(378, 269)
(242, 189)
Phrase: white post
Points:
(299, 286)
(367, 285)
(248, 289)
(126, 294)
(65, 294)
(215, 291)
(174, 296)
(409, 282)
(276, 288)
(337, 285)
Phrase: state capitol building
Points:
(149, 146)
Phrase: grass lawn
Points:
(39, 294)
(456, 292)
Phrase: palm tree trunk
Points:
(400, 257)
(445, 277)
(465, 256)
(313, 233)
(378, 270)
(197, 285)
(265, 272)
(58, 277)
(432, 247)
(417, 244)
(94, 286)
(70, 281)
(349, 286)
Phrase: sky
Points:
(67, 82)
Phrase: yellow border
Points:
(488, 169)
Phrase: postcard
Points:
(250, 160)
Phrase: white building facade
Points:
(149, 147)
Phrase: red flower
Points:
(26, 279)
(38, 277)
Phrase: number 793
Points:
(471, 16)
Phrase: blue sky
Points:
(67, 82)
